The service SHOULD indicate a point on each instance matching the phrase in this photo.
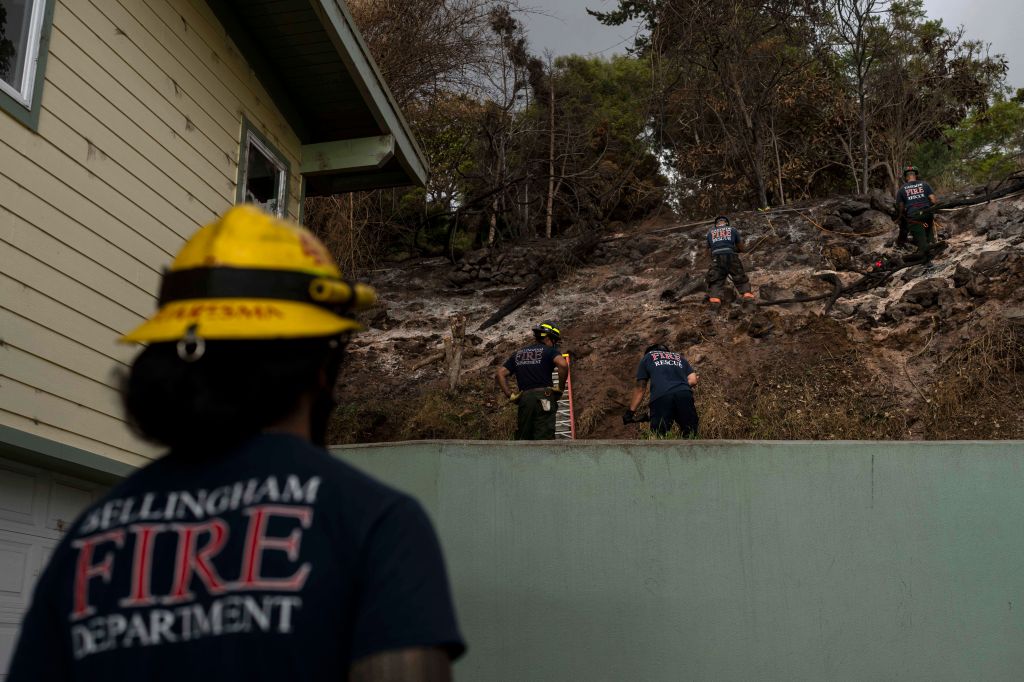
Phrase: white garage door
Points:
(36, 506)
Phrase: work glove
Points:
(514, 398)
(627, 418)
(554, 393)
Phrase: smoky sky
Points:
(564, 27)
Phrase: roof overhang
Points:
(311, 59)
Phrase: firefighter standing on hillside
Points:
(726, 243)
(536, 398)
(915, 201)
(672, 380)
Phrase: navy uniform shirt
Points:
(273, 561)
(532, 366)
(914, 196)
(666, 371)
(723, 240)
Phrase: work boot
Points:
(749, 302)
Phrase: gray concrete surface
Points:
(726, 561)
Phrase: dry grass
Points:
(346, 225)
(981, 386)
(802, 391)
(474, 411)
(590, 418)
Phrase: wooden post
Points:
(453, 346)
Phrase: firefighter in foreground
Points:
(915, 202)
(672, 380)
(536, 398)
(247, 552)
(726, 243)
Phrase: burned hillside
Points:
(867, 346)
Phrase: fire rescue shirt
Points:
(666, 371)
(723, 240)
(274, 561)
(532, 366)
(914, 196)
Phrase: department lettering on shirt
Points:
(663, 358)
(121, 536)
(529, 356)
(721, 234)
(235, 614)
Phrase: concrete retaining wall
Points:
(726, 561)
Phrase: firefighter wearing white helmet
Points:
(246, 551)
(535, 397)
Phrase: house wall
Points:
(666, 561)
(137, 146)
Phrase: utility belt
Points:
(717, 254)
(548, 400)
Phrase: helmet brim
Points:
(239, 319)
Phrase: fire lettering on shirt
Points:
(257, 542)
(86, 570)
(193, 560)
(142, 564)
(529, 356)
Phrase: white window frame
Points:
(24, 94)
(252, 138)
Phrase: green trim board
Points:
(243, 162)
(364, 153)
(29, 116)
(32, 449)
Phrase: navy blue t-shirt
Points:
(532, 366)
(914, 196)
(666, 371)
(273, 561)
(723, 240)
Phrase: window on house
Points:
(264, 179)
(21, 25)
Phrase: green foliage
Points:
(987, 145)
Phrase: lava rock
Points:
(647, 247)
(872, 221)
(853, 207)
(882, 202)
(990, 260)
(962, 275)
(835, 223)
(460, 278)
(926, 293)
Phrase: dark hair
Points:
(657, 346)
(235, 390)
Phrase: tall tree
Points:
(860, 35)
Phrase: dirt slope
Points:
(937, 351)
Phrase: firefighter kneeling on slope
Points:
(536, 398)
(726, 243)
(915, 202)
(672, 380)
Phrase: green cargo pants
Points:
(924, 237)
(533, 422)
(724, 267)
